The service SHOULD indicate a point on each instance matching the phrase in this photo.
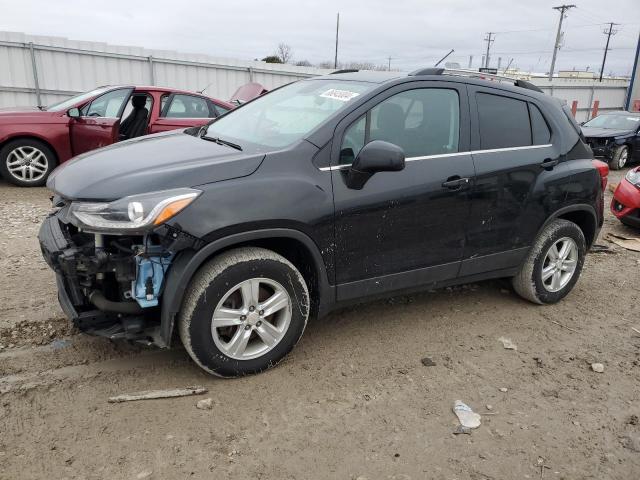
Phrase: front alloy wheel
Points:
(251, 318)
(243, 312)
(26, 162)
(620, 157)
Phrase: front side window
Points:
(187, 106)
(504, 122)
(288, 114)
(424, 121)
(108, 105)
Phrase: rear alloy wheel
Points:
(620, 157)
(553, 264)
(26, 163)
(243, 312)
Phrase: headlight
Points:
(633, 176)
(134, 214)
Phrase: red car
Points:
(626, 199)
(34, 140)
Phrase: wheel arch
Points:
(294, 245)
(582, 215)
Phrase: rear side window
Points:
(188, 106)
(539, 127)
(504, 122)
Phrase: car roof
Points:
(398, 77)
(154, 88)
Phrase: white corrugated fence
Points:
(40, 70)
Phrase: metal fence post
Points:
(250, 70)
(151, 73)
(593, 91)
(35, 73)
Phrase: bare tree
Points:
(284, 52)
(303, 63)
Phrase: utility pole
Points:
(556, 47)
(608, 33)
(489, 41)
(389, 58)
(335, 61)
(470, 61)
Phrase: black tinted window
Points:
(539, 127)
(504, 122)
(422, 122)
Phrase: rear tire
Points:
(545, 277)
(27, 162)
(243, 312)
(620, 158)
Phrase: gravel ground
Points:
(354, 400)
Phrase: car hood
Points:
(8, 114)
(594, 132)
(156, 162)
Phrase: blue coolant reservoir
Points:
(150, 271)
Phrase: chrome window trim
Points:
(456, 154)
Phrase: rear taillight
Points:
(603, 170)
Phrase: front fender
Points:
(188, 262)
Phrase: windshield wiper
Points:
(220, 141)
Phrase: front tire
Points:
(243, 312)
(553, 264)
(620, 157)
(27, 162)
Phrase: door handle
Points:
(549, 163)
(456, 183)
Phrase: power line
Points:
(608, 33)
(561, 9)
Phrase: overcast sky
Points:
(413, 32)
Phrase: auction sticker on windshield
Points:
(342, 95)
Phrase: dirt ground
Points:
(352, 401)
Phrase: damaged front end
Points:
(111, 262)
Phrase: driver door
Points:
(99, 121)
(404, 229)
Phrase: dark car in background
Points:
(33, 141)
(320, 194)
(614, 137)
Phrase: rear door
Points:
(99, 121)
(404, 229)
(183, 111)
(513, 152)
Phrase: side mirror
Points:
(73, 112)
(375, 156)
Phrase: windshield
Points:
(70, 102)
(288, 114)
(615, 122)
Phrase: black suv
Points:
(322, 193)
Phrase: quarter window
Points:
(422, 122)
(504, 122)
(188, 106)
(539, 128)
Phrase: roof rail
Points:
(427, 71)
(346, 70)
(474, 74)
